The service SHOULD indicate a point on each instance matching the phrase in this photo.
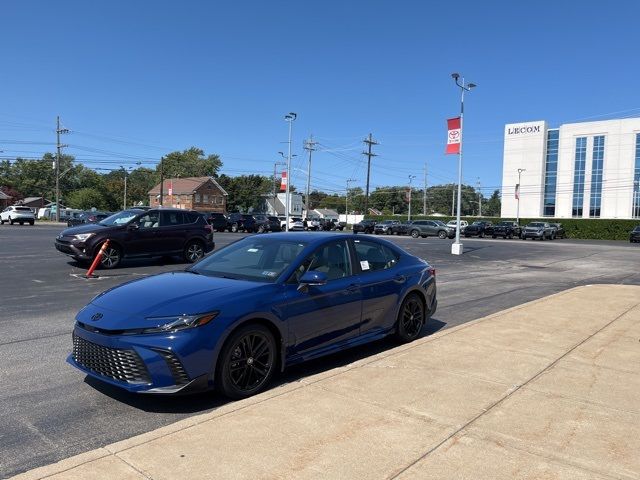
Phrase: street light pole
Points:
(520, 170)
(456, 247)
(290, 117)
(59, 147)
(411, 177)
(346, 201)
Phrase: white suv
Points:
(454, 223)
(18, 214)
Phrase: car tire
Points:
(193, 251)
(510, 236)
(442, 234)
(411, 318)
(493, 236)
(10, 221)
(261, 229)
(234, 228)
(415, 233)
(239, 374)
(220, 230)
(481, 235)
(1, 222)
(111, 258)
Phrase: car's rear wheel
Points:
(31, 222)
(193, 251)
(261, 229)
(247, 362)
(415, 233)
(234, 228)
(10, 221)
(442, 234)
(111, 257)
(411, 318)
(481, 234)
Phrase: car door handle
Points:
(353, 288)
(399, 279)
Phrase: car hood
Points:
(174, 293)
(85, 228)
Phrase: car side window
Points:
(171, 219)
(148, 220)
(332, 259)
(373, 256)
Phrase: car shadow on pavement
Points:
(204, 401)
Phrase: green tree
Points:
(190, 163)
(86, 199)
(246, 192)
(493, 206)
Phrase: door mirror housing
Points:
(312, 278)
(133, 227)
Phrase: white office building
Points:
(579, 170)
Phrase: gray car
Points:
(541, 230)
(430, 228)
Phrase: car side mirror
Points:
(133, 226)
(312, 278)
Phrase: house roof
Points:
(4, 196)
(33, 199)
(326, 211)
(184, 186)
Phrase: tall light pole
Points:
(456, 247)
(290, 118)
(636, 199)
(346, 200)
(411, 177)
(479, 198)
(520, 170)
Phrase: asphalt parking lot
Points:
(50, 412)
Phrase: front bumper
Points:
(76, 250)
(162, 363)
(532, 234)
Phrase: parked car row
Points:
(262, 223)
(480, 228)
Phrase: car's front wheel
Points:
(111, 257)
(411, 318)
(415, 233)
(194, 251)
(442, 234)
(247, 362)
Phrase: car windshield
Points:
(637, 229)
(536, 224)
(119, 218)
(258, 259)
(505, 224)
(22, 209)
(439, 222)
(477, 223)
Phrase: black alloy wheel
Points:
(411, 318)
(415, 233)
(194, 251)
(111, 257)
(442, 234)
(234, 228)
(247, 362)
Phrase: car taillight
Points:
(432, 271)
(208, 228)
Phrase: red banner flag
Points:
(283, 182)
(454, 135)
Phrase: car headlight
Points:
(179, 322)
(83, 236)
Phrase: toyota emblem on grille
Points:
(96, 316)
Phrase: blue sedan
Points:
(254, 307)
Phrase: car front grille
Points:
(180, 376)
(123, 365)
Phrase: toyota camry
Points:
(250, 309)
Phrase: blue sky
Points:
(135, 80)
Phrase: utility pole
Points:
(370, 143)
(309, 144)
(59, 147)
(289, 118)
(424, 193)
(161, 181)
(453, 201)
(411, 177)
(479, 198)
(520, 170)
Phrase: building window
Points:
(551, 173)
(578, 176)
(205, 198)
(636, 181)
(197, 198)
(597, 161)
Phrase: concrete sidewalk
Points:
(549, 389)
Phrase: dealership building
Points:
(578, 170)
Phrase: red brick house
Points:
(191, 193)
